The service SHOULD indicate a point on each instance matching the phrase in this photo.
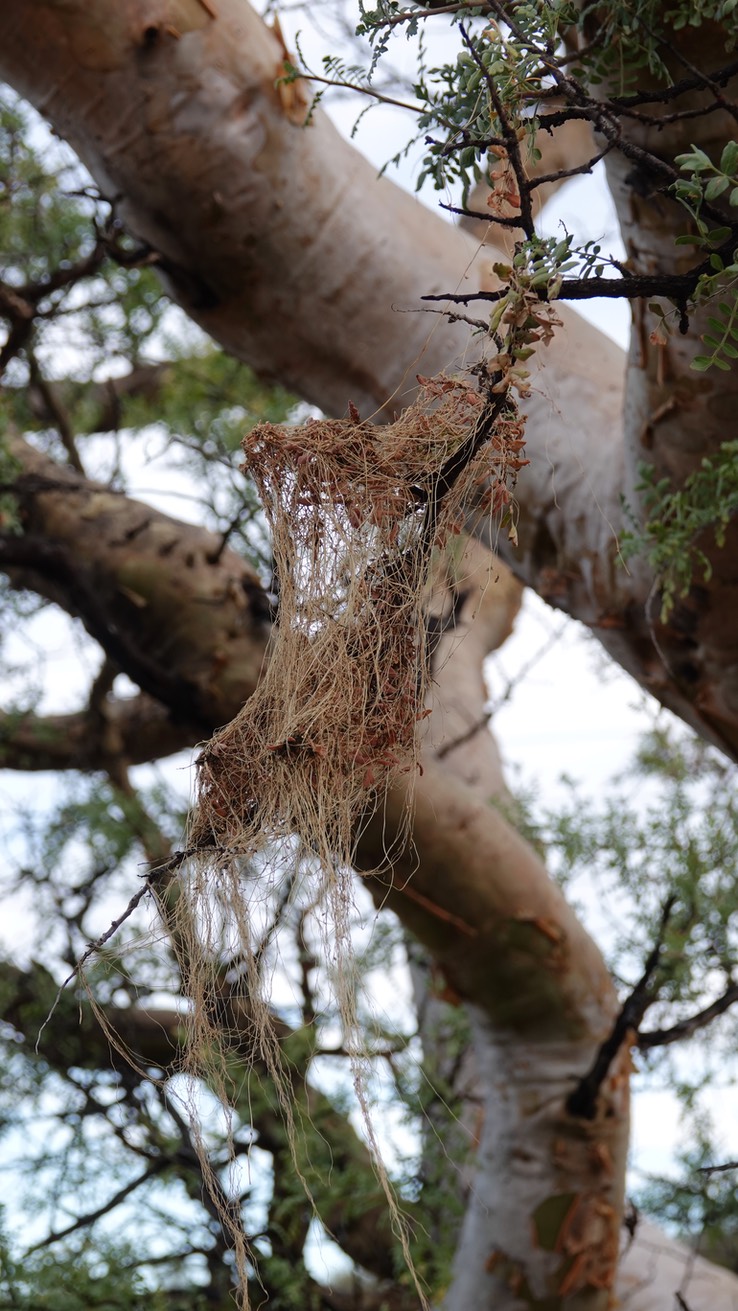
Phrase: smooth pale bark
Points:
(544, 1207)
(283, 244)
(542, 1191)
(259, 223)
(501, 935)
(654, 1269)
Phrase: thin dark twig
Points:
(56, 412)
(479, 724)
(693, 1023)
(563, 173)
(662, 97)
(154, 876)
(407, 15)
(510, 138)
(582, 1102)
(89, 1218)
(631, 286)
(502, 220)
(701, 78)
(454, 466)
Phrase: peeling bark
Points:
(673, 416)
(542, 1225)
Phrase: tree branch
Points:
(187, 620)
(583, 1100)
(691, 1025)
(37, 556)
(89, 1217)
(141, 728)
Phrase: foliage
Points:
(516, 76)
(666, 835)
(520, 71)
(707, 182)
(700, 1201)
(97, 1279)
(677, 523)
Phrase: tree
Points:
(258, 223)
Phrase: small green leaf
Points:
(729, 158)
(697, 160)
(719, 235)
(716, 187)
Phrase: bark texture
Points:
(183, 618)
(280, 241)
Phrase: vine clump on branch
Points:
(355, 512)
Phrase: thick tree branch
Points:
(63, 574)
(187, 620)
(139, 729)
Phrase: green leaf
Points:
(719, 235)
(697, 160)
(716, 187)
(729, 158)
